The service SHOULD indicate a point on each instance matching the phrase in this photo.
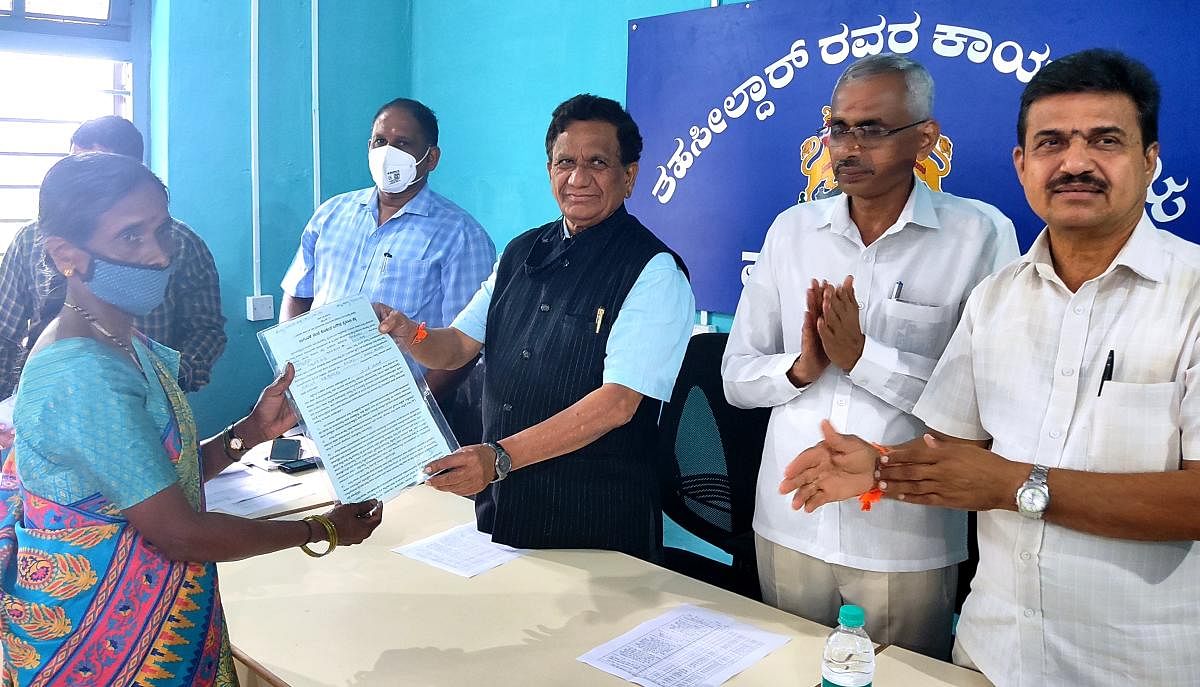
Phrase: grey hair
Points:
(917, 81)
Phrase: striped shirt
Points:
(439, 255)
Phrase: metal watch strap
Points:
(1037, 482)
(1039, 475)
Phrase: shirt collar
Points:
(1142, 253)
(918, 211)
(617, 216)
(420, 204)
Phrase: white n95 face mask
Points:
(392, 169)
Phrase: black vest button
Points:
(506, 407)
(566, 262)
(544, 307)
(525, 354)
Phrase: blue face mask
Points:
(134, 289)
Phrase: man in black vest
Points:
(586, 320)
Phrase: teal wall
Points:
(200, 141)
(493, 73)
(365, 57)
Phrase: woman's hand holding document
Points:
(372, 419)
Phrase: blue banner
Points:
(729, 101)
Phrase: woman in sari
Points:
(106, 552)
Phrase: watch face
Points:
(503, 462)
(236, 443)
(1032, 500)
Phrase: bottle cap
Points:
(852, 616)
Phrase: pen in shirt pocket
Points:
(599, 318)
(383, 265)
(1108, 371)
(896, 289)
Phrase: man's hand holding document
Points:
(373, 420)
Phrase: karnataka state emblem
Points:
(817, 167)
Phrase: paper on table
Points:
(687, 646)
(462, 550)
(241, 490)
(371, 419)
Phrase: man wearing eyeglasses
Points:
(845, 314)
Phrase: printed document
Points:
(462, 550)
(375, 424)
(686, 647)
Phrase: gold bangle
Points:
(330, 530)
(331, 535)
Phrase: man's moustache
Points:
(1077, 180)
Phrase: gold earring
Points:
(69, 271)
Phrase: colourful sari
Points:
(87, 600)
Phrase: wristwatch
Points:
(233, 444)
(503, 461)
(1033, 497)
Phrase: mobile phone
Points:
(298, 465)
(285, 450)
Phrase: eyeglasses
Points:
(865, 136)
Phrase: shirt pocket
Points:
(1135, 428)
(921, 329)
(589, 322)
(409, 286)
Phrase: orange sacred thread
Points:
(420, 335)
(874, 494)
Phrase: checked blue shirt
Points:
(440, 255)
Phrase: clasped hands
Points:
(928, 471)
(832, 332)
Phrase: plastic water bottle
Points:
(849, 659)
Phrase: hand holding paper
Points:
(354, 522)
(372, 419)
(465, 472)
(272, 414)
(396, 325)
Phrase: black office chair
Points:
(709, 454)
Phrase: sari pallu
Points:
(88, 601)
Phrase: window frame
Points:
(125, 37)
(110, 41)
(118, 26)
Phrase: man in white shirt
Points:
(845, 314)
(1082, 360)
